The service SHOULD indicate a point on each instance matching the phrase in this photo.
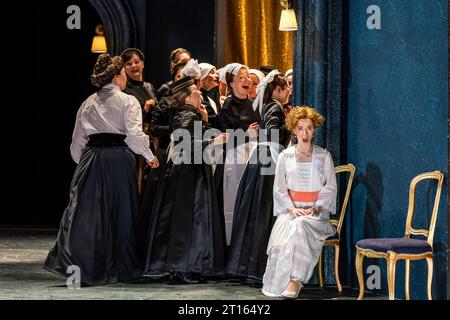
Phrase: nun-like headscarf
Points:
(205, 69)
(233, 69)
(191, 69)
(221, 73)
(261, 88)
(257, 73)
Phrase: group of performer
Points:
(258, 210)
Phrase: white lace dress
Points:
(296, 242)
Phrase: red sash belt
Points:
(298, 196)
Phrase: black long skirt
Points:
(252, 222)
(97, 231)
(148, 197)
(186, 233)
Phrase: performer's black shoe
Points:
(184, 278)
(253, 282)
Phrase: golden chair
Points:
(335, 240)
(393, 249)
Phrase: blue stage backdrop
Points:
(397, 127)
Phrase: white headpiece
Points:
(191, 69)
(232, 68)
(259, 103)
(205, 69)
(257, 73)
(221, 73)
(289, 72)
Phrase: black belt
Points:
(106, 140)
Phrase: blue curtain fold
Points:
(317, 83)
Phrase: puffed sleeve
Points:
(136, 139)
(328, 193)
(79, 139)
(281, 199)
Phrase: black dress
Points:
(212, 115)
(143, 91)
(186, 232)
(164, 90)
(236, 114)
(253, 211)
(160, 131)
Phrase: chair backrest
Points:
(350, 168)
(436, 175)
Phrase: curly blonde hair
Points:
(303, 112)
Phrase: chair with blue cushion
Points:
(394, 249)
(336, 239)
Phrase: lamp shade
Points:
(99, 41)
(288, 20)
(99, 45)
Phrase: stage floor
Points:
(23, 251)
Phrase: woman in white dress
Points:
(304, 197)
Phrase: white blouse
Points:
(315, 176)
(110, 111)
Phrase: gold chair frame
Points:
(392, 257)
(350, 168)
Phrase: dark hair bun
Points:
(105, 68)
(127, 54)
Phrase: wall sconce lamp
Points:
(99, 41)
(288, 20)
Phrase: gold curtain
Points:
(252, 36)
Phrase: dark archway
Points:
(120, 24)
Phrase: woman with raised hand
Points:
(186, 237)
(237, 114)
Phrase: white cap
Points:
(205, 69)
(258, 102)
(191, 69)
(221, 73)
(232, 68)
(289, 72)
(257, 73)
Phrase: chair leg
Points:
(407, 272)
(429, 277)
(391, 262)
(320, 269)
(359, 272)
(336, 267)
